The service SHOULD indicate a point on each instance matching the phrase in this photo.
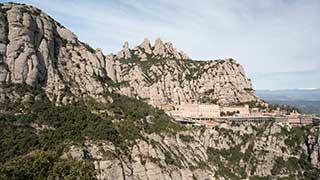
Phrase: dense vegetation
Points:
(46, 165)
(34, 133)
(233, 163)
(27, 153)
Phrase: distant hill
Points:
(307, 100)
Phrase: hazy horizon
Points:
(274, 40)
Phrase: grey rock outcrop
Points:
(175, 81)
(203, 153)
(38, 51)
(3, 43)
(125, 53)
(163, 75)
(146, 46)
(159, 48)
(41, 52)
(3, 72)
(145, 51)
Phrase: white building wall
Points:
(197, 110)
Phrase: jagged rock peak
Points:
(38, 51)
(159, 50)
(158, 45)
(126, 45)
(125, 53)
(167, 50)
(146, 46)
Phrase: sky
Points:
(277, 41)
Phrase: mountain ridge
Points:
(46, 54)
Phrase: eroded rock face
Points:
(146, 46)
(175, 81)
(3, 72)
(163, 75)
(125, 53)
(201, 154)
(3, 43)
(146, 51)
(41, 52)
(38, 51)
(157, 73)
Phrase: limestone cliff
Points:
(166, 76)
(38, 51)
(227, 151)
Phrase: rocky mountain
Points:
(68, 111)
(98, 142)
(163, 75)
(38, 51)
(247, 151)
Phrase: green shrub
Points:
(168, 158)
(186, 138)
(46, 165)
(16, 140)
(278, 166)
